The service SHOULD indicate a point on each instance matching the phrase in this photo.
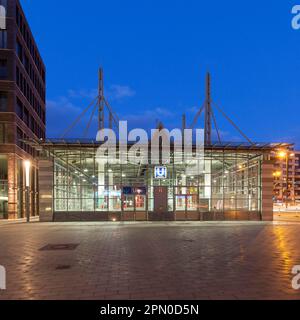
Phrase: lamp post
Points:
(27, 165)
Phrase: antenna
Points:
(101, 101)
(210, 117)
(183, 122)
(98, 105)
(208, 112)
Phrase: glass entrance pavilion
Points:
(235, 183)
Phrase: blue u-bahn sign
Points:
(160, 172)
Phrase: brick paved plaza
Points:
(239, 260)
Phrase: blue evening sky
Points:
(155, 55)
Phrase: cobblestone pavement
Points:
(241, 260)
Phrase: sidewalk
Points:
(287, 216)
(6, 222)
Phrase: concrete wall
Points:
(46, 168)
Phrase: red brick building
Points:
(22, 110)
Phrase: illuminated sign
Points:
(160, 173)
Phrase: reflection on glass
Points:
(227, 182)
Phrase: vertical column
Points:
(12, 187)
(46, 203)
(101, 186)
(207, 183)
(110, 188)
(267, 190)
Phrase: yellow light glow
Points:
(276, 174)
(282, 154)
(27, 165)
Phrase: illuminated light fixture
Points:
(93, 177)
(226, 172)
(27, 165)
(276, 174)
(46, 196)
(123, 175)
(85, 170)
(84, 180)
(282, 154)
(114, 219)
(109, 170)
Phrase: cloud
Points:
(62, 106)
(118, 92)
(193, 110)
(114, 92)
(60, 114)
(83, 94)
(150, 114)
(148, 119)
(63, 110)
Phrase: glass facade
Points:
(230, 181)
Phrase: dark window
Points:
(2, 133)
(3, 69)
(26, 63)
(19, 51)
(3, 3)
(18, 76)
(3, 167)
(26, 116)
(18, 15)
(3, 39)
(32, 123)
(3, 101)
(19, 109)
(19, 138)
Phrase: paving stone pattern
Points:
(216, 260)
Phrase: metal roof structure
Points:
(40, 144)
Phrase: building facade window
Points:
(3, 101)
(3, 69)
(19, 50)
(3, 3)
(19, 109)
(2, 133)
(3, 39)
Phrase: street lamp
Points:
(277, 174)
(27, 165)
(286, 154)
